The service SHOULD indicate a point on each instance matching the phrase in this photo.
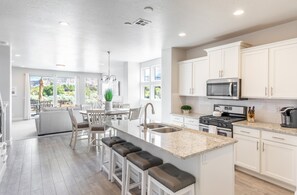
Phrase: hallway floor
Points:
(23, 129)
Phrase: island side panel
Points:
(217, 172)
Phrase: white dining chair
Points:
(134, 113)
(78, 129)
(96, 119)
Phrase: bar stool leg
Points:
(102, 158)
(113, 163)
(143, 182)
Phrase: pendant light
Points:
(108, 78)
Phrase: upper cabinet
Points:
(269, 71)
(193, 75)
(224, 61)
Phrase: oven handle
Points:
(230, 89)
(223, 129)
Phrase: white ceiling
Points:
(96, 26)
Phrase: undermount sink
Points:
(154, 125)
(167, 130)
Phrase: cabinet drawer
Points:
(177, 119)
(192, 121)
(195, 127)
(246, 131)
(278, 137)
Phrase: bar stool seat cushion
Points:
(125, 148)
(83, 125)
(110, 141)
(144, 160)
(171, 177)
(97, 128)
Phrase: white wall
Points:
(170, 76)
(266, 110)
(5, 83)
(133, 78)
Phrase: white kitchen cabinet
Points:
(177, 120)
(279, 161)
(247, 149)
(283, 68)
(193, 75)
(191, 123)
(269, 71)
(224, 61)
(255, 74)
(185, 78)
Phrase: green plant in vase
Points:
(108, 95)
(186, 109)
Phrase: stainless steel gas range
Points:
(222, 125)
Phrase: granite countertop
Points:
(274, 127)
(190, 115)
(182, 144)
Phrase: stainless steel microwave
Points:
(228, 88)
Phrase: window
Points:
(65, 91)
(91, 90)
(151, 83)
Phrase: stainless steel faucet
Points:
(145, 113)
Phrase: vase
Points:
(108, 105)
(186, 111)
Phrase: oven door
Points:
(224, 132)
(203, 128)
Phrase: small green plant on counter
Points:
(186, 107)
(108, 95)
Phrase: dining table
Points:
(114, 111)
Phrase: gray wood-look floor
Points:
(47, 165)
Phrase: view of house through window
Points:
(91, 90)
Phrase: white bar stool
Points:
(140, 161)
(119, 153)
(171, 180)
(107, 144)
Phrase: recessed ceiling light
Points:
(63, 23)
(238, 12)
(182, 34)
(148, 9)
(17, 55)
(60, 65)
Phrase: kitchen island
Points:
(210, 158)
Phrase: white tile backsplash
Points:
(266, 110)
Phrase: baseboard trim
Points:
(268, 179)
(54, 133)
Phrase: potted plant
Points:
(108, 98)
(186, 109)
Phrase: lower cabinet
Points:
(247, 152)
(187, 122)
(271, 154)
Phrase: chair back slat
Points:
(96, 117)
(72, 117)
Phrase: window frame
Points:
(152, 83)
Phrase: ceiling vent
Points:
(142, 22)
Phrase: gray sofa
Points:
(55, 121)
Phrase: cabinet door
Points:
(247, 152)
(283, 68)
(215, 64)
(255, 74)
(200, 76)
(230, 61)
(279, 161)
(185, 78)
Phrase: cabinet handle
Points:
(271, 91)
(266, 91)
(245, 132)
(279, 138)
(257, 145)
(263, 147)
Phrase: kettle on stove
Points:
(289, 117)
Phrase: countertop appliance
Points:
(222, 125)
(289, 117)
(223, 88)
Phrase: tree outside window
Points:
(91, 90)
